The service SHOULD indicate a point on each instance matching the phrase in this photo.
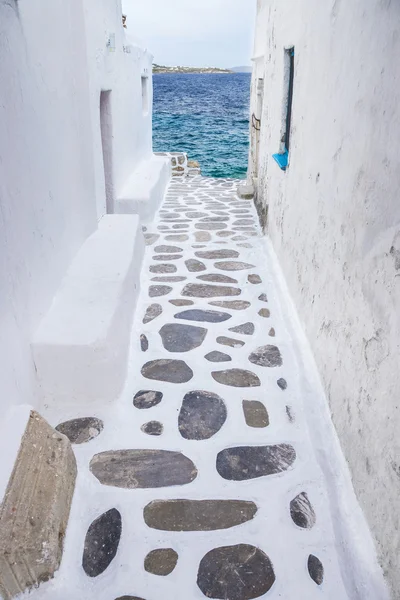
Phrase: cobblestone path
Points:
(201, 480)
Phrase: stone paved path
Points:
(201, 480)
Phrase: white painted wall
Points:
(334, 220)
(53, 65)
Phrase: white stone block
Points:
(81, 347)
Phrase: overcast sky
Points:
(200, 34)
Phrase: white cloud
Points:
(209, 32)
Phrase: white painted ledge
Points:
(81, 347)
(145, 188)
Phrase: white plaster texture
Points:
(333, 218)
(81, 347)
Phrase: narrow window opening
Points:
(145, 95)
(282, 157)
(107, 146)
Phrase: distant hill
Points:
(162, 69)
(241, 69)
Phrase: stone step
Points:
(35, 509)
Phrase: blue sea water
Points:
(205, 115)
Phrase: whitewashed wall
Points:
(334, 220)
(53, 64)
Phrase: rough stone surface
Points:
(217, 254)
(315, 569)
(232, 304)
(152, 312)
(194, 266)
(251, 462)
(82, 430)
(202, 415)
(101, 543)
(167, 257)
(207, 316)
(181, 302)
(163, 268)
(302, 512)
(151, 238)
(172, 371)
(217, 357)
(198, 515)
(129, 598)
(244, 329)
(147, 398)
(263, 298)
(282, 383)
(202, 290)
(153, 428)
(161, 561)
(182, 338)
(167, 249)
(264, 312)
(169, 278)
(159, 290)
(266, 356)
(255, 414)
(226, 341)
(131, 469)
(255, 279)
(35, 509)
(144, 343)
(210, 226)
(217, 278)
(237, 378)
(241, 572)
(232, 266)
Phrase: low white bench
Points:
(145, 188)
(81, 347)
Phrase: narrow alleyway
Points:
(204, 480)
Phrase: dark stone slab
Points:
(255, 279)
(152, 312)
(211, 226)
(159, 290)
(271, 332)
(207, 316)
(282, 383)
(132, 469)
(217, 278)
(232, 304)
(315, 569)
(167, 249)
(80, 431)
(129, 598)
(241, 572)
(290, 414)
(198, 515)
(202, 236)
(230, 265)
(236, 378)
(194, 266)
(255, 414)
(151, 238)
(166, 257)
(264, 312)
(181, 226)
(246, 222)
(101, 543)
(217, 254)
(302, 512)
(172, 371)
(202, 415)
(195, 214)
(177, 337)
(144, 343)
(161, 561)
(203, 290)
(153, 428)
(244, 329)
(163, 269)
(251, 462)
(168, 278)
(217, 357)
(266, 356)
(225, 233)
(263, 298)
(181, 302)
(226, 341)
(215, 219)
(147, 398)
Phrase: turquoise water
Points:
(205, 115)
